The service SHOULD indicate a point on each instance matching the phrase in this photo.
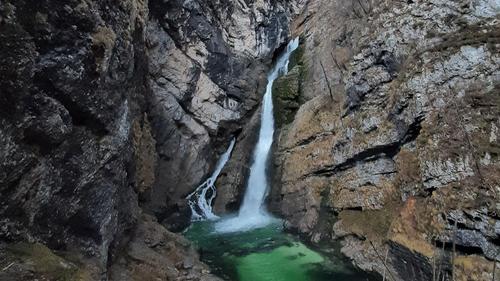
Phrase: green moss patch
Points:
(287, 90)
(43, 262)
(372, 224)
(286, 97)
(297, 57)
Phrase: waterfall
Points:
(200, 200)
(252, 213)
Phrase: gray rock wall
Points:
(396, 139)
(72, 84)
(109, 109)
(208, 63)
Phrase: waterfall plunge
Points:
(252, 213)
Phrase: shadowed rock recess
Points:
(112, 112)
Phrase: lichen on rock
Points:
(393, 129)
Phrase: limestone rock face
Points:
(207, 74)
(72, 86)
(113, 109)
(394, 148)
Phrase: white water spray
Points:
(200, 201)
(252, 213)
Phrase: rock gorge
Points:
(112, 112)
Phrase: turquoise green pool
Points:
(268, 254)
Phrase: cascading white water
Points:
(200, 200)
(252, 213)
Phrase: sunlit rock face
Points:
(395, 141)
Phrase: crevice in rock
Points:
(79, 117)
(460, 225)
(495, 241)
(312, 139)
(466, 250)
(373, 153)
(353, 209)
(388, 150)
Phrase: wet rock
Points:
(69, 126)
(286, 96)
(51, 123)
(410, 265)
(232, 181)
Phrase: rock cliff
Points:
(111, 112)
(207, 71)
(394, 148)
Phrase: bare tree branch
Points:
(326, 79)
(454, 251)
(385, 264)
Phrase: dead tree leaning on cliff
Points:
(326, 79)
(494, 267)
(382, 260)
(454, 251)
(385, 261)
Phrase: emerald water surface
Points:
(268, 254)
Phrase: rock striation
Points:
(208, 64)
(394, 148)
(111, 112)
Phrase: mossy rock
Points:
(286, 96)
(372, 224)
(297, 57)
(287, 90)
(44, 263)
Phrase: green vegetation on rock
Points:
(286, 95)
(287, 90)
(373, 224)
(297, 57)
(41, 260)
